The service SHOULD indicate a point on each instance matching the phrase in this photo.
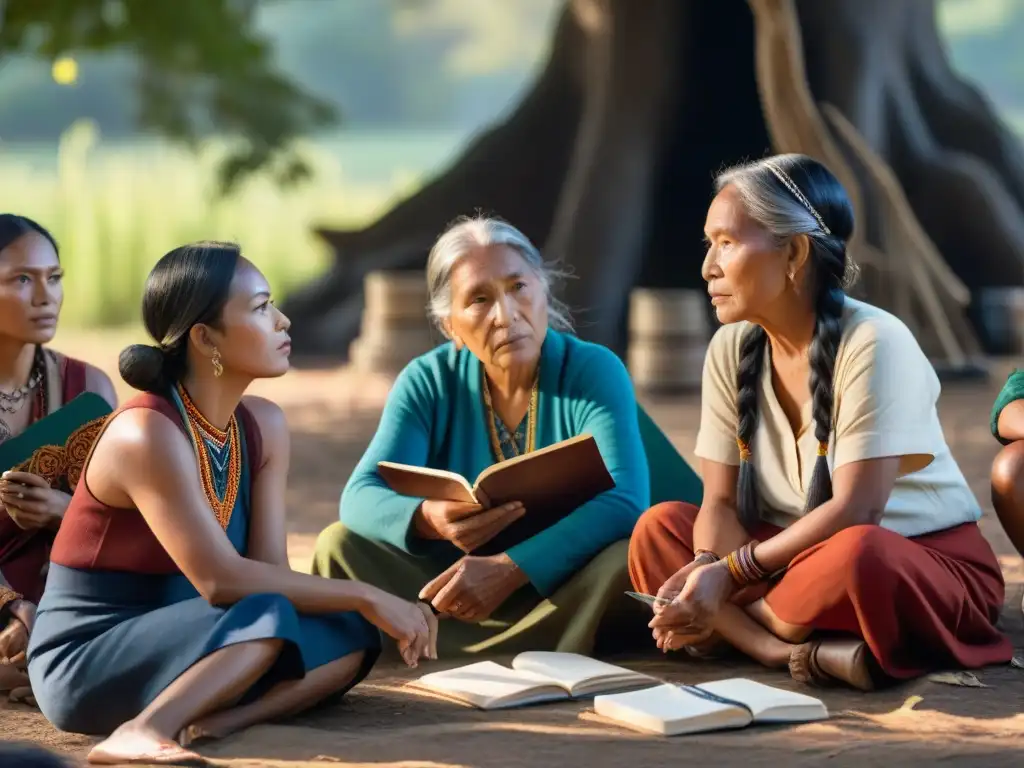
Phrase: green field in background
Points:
(116, 209)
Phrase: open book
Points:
(536, 676)
(672, 710)
(550, 482)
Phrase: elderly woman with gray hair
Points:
(837, 536)
(511, 379)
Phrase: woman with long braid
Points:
(837, 536)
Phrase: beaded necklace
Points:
(12, 402)
(218, 454)
(531, 422)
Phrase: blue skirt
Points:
(105, 644)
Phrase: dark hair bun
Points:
(143, 367)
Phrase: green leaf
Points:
(203, 69)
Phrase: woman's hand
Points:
(24, 611)
(14, 643)
(30, 501)
(413, 625)
(474, 587)
(688, 618)
(467, 526)
(674, 585)
(668, 592)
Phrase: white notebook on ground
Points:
(535, 676)
(673, 710)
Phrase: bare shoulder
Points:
(97, 381)
(140, 434)
(139, 449)
(269, 417)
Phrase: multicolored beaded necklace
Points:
(515, 442)
(218, 454)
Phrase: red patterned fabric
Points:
(24, 554)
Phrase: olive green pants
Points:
(588, 614)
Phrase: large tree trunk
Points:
(513, 170)
(608, 161)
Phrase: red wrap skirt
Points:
(921, 604)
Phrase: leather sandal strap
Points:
(803, 665)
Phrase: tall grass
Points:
(116, 210)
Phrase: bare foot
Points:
(711, 649)
(11, 677)
(23, 695)
(132, 743)
(201, 731)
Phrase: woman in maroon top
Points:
(34, 382)
(170, 609)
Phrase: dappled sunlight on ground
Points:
(332, 414)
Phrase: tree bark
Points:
(603, 212)
(882, 64)
(905, 265)
(513, 169)
(608, 162)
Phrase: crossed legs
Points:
(906, 604)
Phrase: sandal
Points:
(822, 662)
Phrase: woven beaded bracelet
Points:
(744, 567)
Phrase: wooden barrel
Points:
(668, 339)
(657, 313)
(371, 356)
(395, 327)
(397, 295)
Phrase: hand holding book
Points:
(548, 483)
(30, 501)
(465, 525)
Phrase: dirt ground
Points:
(333, 413)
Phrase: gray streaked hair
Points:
(471, 232)
(793, 195)
(784, 207)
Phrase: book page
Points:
(425, 483)
(769, 704)
(488, 685)
(574, 671)
(669, 710)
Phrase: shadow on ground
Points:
(379, 724)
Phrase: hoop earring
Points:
(218, 369)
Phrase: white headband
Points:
(789, 184)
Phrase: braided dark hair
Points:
(795, 195)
